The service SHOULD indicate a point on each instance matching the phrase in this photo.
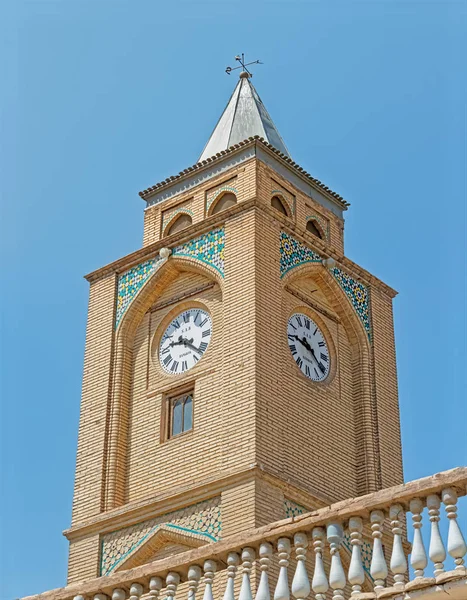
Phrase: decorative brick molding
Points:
(198, 520)
(294, 253)
(322, 224)
(214, 194)
(207, 248)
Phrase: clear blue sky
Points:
(101, 99)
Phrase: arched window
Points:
(279, 205)
(181, 414)
(311, 227)
(225, 201)
(180, 223)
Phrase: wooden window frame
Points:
(168, 402)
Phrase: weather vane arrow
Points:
(243, 65)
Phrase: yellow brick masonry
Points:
(261, 430)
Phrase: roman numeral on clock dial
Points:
(185, 341)
(308, 347)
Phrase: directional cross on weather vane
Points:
(243, 65)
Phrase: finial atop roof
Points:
(244, 116)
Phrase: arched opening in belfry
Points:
(279, 204)
(312, 228)
(225, 201)
(180, 223)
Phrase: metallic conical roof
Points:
(244, 116)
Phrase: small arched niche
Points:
(181, 222)
(311, 227)
(224, 201)
(279, 204)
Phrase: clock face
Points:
(185, 341)
(308, 347)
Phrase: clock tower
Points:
(239, 367)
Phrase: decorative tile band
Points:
(289, 198)
(168, 216)
(207, 248)
(202, 519)
(130, 283)
(292, 509)
(211, 197)
(358, 295)
(323, 223)
(294, 253)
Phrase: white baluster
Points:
(300, 583)
(456, 543)
(356, 574)
(319, 583)
(398, 562)
(79, 597)
(210, 567)
(136, 591)
(118, 594)
(335, 535)
(155, 586)
(233, 560)
(248, 556)
(418, 558)
(194, 576)
(436, 551)
(171, 583)
(265, 553)
(378, 568)
(100, 597)
(282, 587)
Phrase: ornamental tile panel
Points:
(130, 283)
(292, 509)
(358, 294)
(216, 193)
(202, 519)
(208, 248)
(294, 253)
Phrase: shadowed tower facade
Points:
(239, 368)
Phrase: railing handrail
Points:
(338, 512)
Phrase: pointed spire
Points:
(244, 116)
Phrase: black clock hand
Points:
(322, 368)
(190, 345)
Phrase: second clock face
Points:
(308, 346)
(185, 341)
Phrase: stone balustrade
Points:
(317, 555)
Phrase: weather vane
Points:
(243, 65)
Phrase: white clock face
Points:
(308, 347)
(185, 341)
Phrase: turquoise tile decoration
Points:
(203, 518)
(358, 295)
(294, 253)
(168, 216)
(130, 283)
(292, 509)
(207, 248)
